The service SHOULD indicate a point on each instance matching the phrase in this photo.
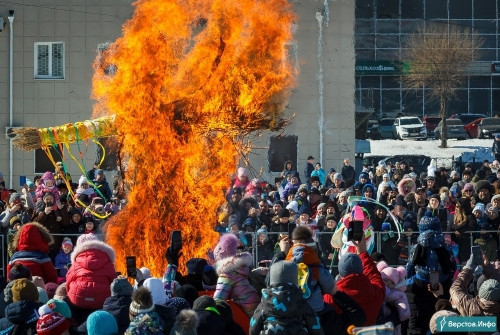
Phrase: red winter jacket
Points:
(89, 278)
(367, 289)
(31, 245)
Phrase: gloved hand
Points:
(472, 263)
(173, 255)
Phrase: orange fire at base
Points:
(192, 78)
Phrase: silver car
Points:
(454, 129)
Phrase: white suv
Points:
(409, 127)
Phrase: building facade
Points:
(54, 44)
(382, 29)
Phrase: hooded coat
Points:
(366, 289)
(89, 278)
(31, 243)
(233, 282)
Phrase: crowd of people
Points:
(287, 260)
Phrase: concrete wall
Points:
(323, 101)
(81, 25)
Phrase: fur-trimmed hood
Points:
(32, 237)
(406, 185)
(93, 245)
(240, 263)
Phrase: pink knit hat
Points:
(388, 272)
(226, 247)
(87, 237)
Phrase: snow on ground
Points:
(470, 148)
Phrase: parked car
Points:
(372, 131)
(454, 129)
(385, 127)
(409, 127)
(471, 128)
(467, 118)
(488, 127)
(431, 122)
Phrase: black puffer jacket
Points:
(20, 318)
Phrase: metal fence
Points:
(408, 241)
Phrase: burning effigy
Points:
(186, 83)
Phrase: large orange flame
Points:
(192, 77)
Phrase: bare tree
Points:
(436, 59)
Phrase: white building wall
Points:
(325, 44)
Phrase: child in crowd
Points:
(63, 258)
(452, 248)
(283, 306)
(395, 287)
(233, 270)
(84, 188)
(265, 248)
(89, 227)
(47, 185)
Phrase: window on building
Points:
(43, 163)
(49, 60)
(282, 149)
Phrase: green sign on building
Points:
(378, 68)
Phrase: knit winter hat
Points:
(433, 322)
(204, 302)
(67, 242)
(155, 286)
(350, 263)
(102, 323)
(337, 176)
(468, 187)
(479, 207)
(284, 213)
(51, 324)
(19, 271)
(283, 272)
(82, 180)
(14, 197)
(145, 272)
(293, 205)
(121, 286)
(305, 210)
(142, 302)
(15, 220)
(483, 184)
(86, 238)
(24, 289)
(228, 243)
(178, 304)
(188, 292)
(58, 292)
(186, 323)
(490, 290)
(429, 222)
(242, 172)
(57, 306)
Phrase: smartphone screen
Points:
(477, 254)
(131, 266)
(434, 280)
(22, 180)
(357, 230)
(176, 240)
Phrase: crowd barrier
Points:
(379, 238)
(379, 241)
